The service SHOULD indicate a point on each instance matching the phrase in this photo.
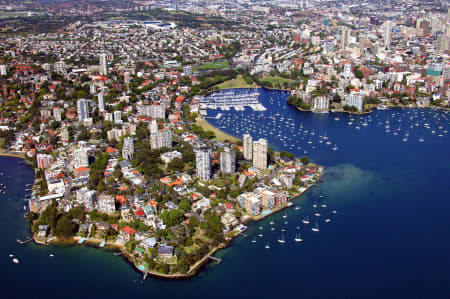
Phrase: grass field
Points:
(220, 135)
(276, 80)
(212, 66)
(238, 82)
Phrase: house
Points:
(148, 243)
(43, 229)
(165, 251)
(127, 233)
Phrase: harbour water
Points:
(390, 237)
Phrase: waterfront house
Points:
(127, 233)
(165, 251)
(43, 229)
(148, 243)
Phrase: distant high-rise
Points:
(260, 154)
(3, 70)
(345, 37)
(101, 102)
(128, 148)
(82, 109)
(103, 65)
(161, 139)
(203, 163)
(228, 161)
(248, 146)
(126, 78)
(80, 157)
(153, 126)
(387, 33)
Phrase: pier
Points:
(24, 242)
(218, 261)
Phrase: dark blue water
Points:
(390, 237)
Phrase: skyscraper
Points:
(101, 102)
(248, 146)
(260, 154)
(228, 161)
(203, 163)
(345, 37)
(103, 65)
(387, 33)
(161, 139)
(83, 109)
(128, 148)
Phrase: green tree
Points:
(65, 228)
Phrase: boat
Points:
(335, 147)
(11, 255)
(297, 238)
(281, 240)
(317, 215)
(260, 235)
(316, 228)
(323, 205)
(285, 216)
(271, 223)
(267, 246)
(254, 240)
(51, 255)
(15, 260)
(297, 208)
(314, 205)
(421, 139)
(305, 220)
(272, 228)
(327, 220)
(334, 212)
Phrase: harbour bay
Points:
(390, 231)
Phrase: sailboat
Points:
(281, 240)
(298, 238)
(316, 228)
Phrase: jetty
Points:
(217, 260)
(24, 242)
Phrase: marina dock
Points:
(24, 242)
(218, 261)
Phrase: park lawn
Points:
(216, 65)
(276, 80)
(220, 135)
(237, 82)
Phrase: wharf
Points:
(24, 242)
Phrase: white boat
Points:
(327, 220)
(314, 205)
(297, 208)
(271, 223)
(267, 246)
(284, 216)
(254, 240)
(316, 228)
(334, 212)
(51, 255)
(298, 238)
(323, 205)
(335, 147)
(421, 139)
(281, 240)
(260, 235)
(11, 255)
(15, 260)
(305, 220)
(272, 228)
(317, 214)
